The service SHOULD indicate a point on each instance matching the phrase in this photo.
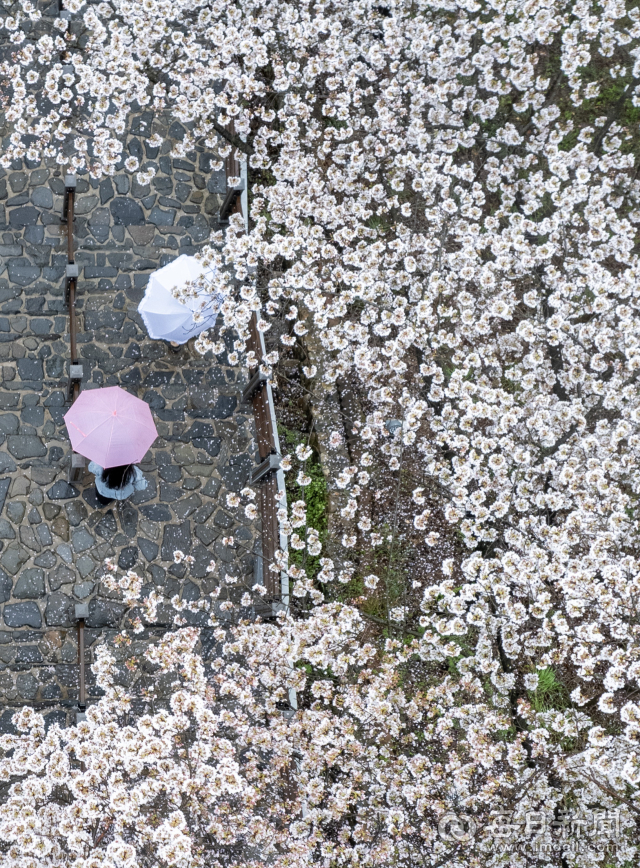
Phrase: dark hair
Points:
(118, 477)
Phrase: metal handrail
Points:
(75, 378)
(267, 475)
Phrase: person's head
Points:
(118, 477)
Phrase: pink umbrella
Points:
(110, 426)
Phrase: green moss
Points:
(550, 694)
(510, 385)
(390, 562)
(314, 495)
(336, 123)
(569, 141)
(378, 224)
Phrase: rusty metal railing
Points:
(78, 462)
(75, 369)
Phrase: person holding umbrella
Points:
(177, 318)
(116, 483)
(114, 430)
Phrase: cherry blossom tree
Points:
(220, 770)
(444, 203)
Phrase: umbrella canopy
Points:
(110, 426)
(168, 319)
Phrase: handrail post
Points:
(81, 612)
(70, 184)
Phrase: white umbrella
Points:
(169, 319)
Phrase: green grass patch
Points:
(314, 495)
(550, 694)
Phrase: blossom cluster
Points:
(444, 194)
(296, 743)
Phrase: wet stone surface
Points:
(54, 536)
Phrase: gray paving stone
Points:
(82, 590)
(160, 217)
(62, 491)
(235, 476)
(28, 539)
(81, 540)
(203, 513)
(212, 488)
(7, 464)
(59, 611)
(65, 553)
(34, 235)
(202, 436)
(28, 654)
(203, 557)
(8, 400)
(156, 512)
(47, 560)
(107, 526)
(30, 585)
(44, 535)
(126, 212)
(50, 510)
(223, 519)
(104, 319)
(21, 217)
(16, 510)
(106, 191)
(223, 554)
(85, 566)
(129, 520)
(176, 538)
(27, 685)
(22, 615)
(91, 272)
(184, 454)
(6, 529)
(18, 181)
(23, 446)
(85, 204)
(60, 576)
(187, 506)
(32, 416)
(148, 548)
(5, 587)
(42, 197)
(60, 527)
(206, 534)
(43, 475)
(170, 493)
(105, 613)
(13, 558)
(128, 557)
(22, 275)
(76, 512)
(30, 369)
(170, 472)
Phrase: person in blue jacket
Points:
(117, 483)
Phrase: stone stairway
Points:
(53, 535)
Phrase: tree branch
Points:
(232, 139)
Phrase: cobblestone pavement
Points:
(53, 535)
